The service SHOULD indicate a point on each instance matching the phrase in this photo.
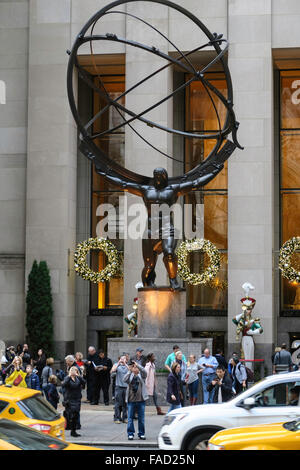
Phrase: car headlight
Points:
(214, 447)
(168, 420)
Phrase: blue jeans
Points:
(206, 380)
(140, 407)
(193, 389)
(174, 407)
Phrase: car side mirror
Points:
(248, 403)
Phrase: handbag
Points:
(17, 380)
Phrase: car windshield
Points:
(292, 425)
(37, 407)
(27, 439)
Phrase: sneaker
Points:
(142, 437)
(125, 421)
(118, 421)
(130, 438)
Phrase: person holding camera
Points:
(136, 397)
(25, 355)
(10, 354)
(221, 385)
(72, 386)
(119, 371)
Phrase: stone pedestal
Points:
(161, 325)
(161, 313)
(161, 347)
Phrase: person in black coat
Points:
(40, 362)
(173, 390)
(221, 359)
(90, 374)
(53, 395)
(222, 385)
(102, 369)
(25, 355)
(72, 386)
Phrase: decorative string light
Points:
(210, 272)
(112, 268)
(286, 252)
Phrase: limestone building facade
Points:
(49, 192)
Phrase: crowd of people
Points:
(132, 380)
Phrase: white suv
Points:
(265, 402)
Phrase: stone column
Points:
(13, 135)
(250, 172)
(52, 162)
(139, 157)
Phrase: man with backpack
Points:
(239, 375)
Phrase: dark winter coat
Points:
(40, 363)
(173, 389)
(53, 396)
(221, 361)
(33, 381)
(226, 389)
(103, 375)
(72, 392)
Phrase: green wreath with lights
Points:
(210, 272)
(112, 268)
(285, 254)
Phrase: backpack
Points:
(250, 374)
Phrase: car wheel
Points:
(200, 441)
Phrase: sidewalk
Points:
(99, 429)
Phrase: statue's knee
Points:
(169, 255)
(149, 264)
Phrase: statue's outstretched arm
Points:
(130, 187)
(125, 185)
(210, 172)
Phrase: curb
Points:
(134, 444)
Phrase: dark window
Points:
(104, 335)
(3, 405)
(27, 439)
(201, 116)
(217, 336)
(107, 295)
(38, 408)
(290, 178)
(277, 395)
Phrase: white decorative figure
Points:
(247, 326)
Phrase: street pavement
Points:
(99, 429)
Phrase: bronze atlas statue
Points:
(159, 189)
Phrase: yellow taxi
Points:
(15, 436)
(29, 407)
(279, 436)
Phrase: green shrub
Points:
(39, 311)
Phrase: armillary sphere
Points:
(223, 147)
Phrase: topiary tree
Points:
(39, 311)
